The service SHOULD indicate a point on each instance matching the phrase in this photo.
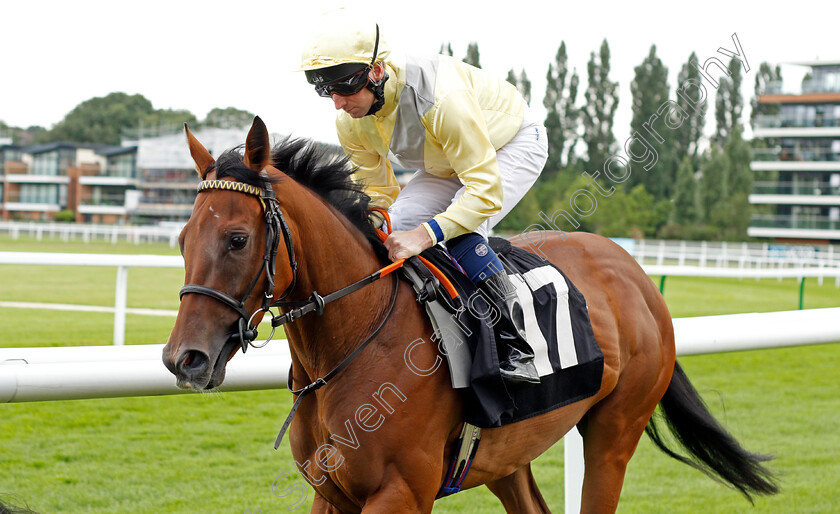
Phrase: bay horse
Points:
(379, 437)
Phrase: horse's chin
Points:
(215, 378)
(225, 355)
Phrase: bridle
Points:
(275, 224)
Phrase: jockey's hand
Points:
(402, 244)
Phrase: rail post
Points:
(120, 304)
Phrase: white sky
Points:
(198, 55)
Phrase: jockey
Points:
(467, 133)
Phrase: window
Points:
(45, 164)
(121, 166)
(39, 193)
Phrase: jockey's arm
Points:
(462, 132)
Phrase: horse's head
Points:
(229, 247)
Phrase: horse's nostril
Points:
(194, 361)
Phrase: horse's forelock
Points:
(230, 164)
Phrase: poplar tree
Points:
(523, 85)
(687, 136)
(650, 91)
(714, 186)
(766, 75)
(729, 103)
(472, 55)
(739, 177)
(562, 117)
(686, 199)
(601, 102)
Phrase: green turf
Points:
(213, 452)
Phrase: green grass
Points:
(213, 452)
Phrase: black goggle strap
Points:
(375, 47)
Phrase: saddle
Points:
(567, 355)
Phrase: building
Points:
(150, 180)
(167, 178)
(88, 181)
(103, 192)
(798, 174)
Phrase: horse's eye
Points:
(238, 242)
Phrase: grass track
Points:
(212, 453)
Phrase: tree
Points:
(472, 55)
(102, 119)
(763, 79)
(601, 103)
(714, 189)
(689, 99)
(729, 103)
(650, 91)
(165, 121)
(230, 117)
(523, 85)
(739, 154)
(446, 49)
(511, 77)
(562, 116)
(686, 199)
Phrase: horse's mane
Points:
(326, 173)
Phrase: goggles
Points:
(349, 85)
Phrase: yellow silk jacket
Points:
(446, 118)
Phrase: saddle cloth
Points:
(567, 357)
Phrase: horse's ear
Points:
(257, 146)
(203, 160)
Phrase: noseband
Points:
(275, 224)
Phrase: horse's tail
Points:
(712, 449)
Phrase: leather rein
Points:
(247, 331)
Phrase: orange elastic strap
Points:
(453, 293)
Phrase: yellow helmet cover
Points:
(340, 38)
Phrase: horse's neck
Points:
(331, 255)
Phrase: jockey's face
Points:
(358, 104)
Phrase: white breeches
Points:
(521, 161)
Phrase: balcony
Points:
(31, 203)
(104, 180)
(796, 223)
(109, 199)
(169, 207)
(795, 193)
(798, 155)
(796, 188)
(14, 178)
(806, 227)
(784, 159)
(776, 121)
(825, 84)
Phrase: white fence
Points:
(723, 254)
(83, 372)
(89, 232)
(34, 374)
(123, 262)
(700, 253)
